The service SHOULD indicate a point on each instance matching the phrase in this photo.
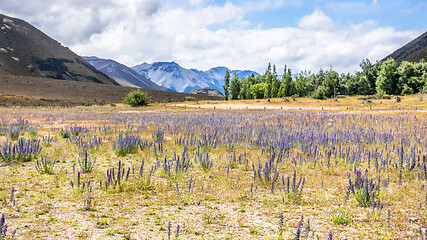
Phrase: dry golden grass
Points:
(47, 207)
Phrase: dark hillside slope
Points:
(414, 51)
(32, 91)
(26, 51)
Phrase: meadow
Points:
(164, 172)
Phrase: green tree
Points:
(234, 87)
(346, 84)
(410, 77)
(268, 80)
(287, 83)
(320, 93)
(363, 85)
(388, 78)
(226, 85)
(136, 98)
(275, 83)
(318, 79)
(330, 83)
(258, 90)
(369, 75)
(421, 72)
(249, 82)
(242, 84)
(302, 85)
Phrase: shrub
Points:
(136, 98)
(190, 98)
(320, 93)
(18, 128)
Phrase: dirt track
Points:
(237, 106)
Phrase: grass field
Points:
(217, 173)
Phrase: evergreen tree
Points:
(268, 80)
(287, 82)
(226, 85)
(234, 87)
(318, 79)
(275, 84)
(249, 82)
(242, 84)
(302, 84)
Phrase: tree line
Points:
(384, 77)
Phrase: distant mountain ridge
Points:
(176, 78)
(171, 76)
(122, 74)
(413, 51)
(26, 51)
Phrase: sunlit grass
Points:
(225, 193)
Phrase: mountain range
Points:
(37, 70)
(122, 74)
(176, 78)
(165, 75)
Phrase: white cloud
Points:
(76, 21)
(196, 2)
(316, 21)
(203, 35)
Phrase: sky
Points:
(238, 34)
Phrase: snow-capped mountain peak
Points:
(122, 74)
(176, 78)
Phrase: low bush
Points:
(136, 98)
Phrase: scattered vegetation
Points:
(85, 161)
(189, 98)
(23, 150)
(273, 174)
(45, 166)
